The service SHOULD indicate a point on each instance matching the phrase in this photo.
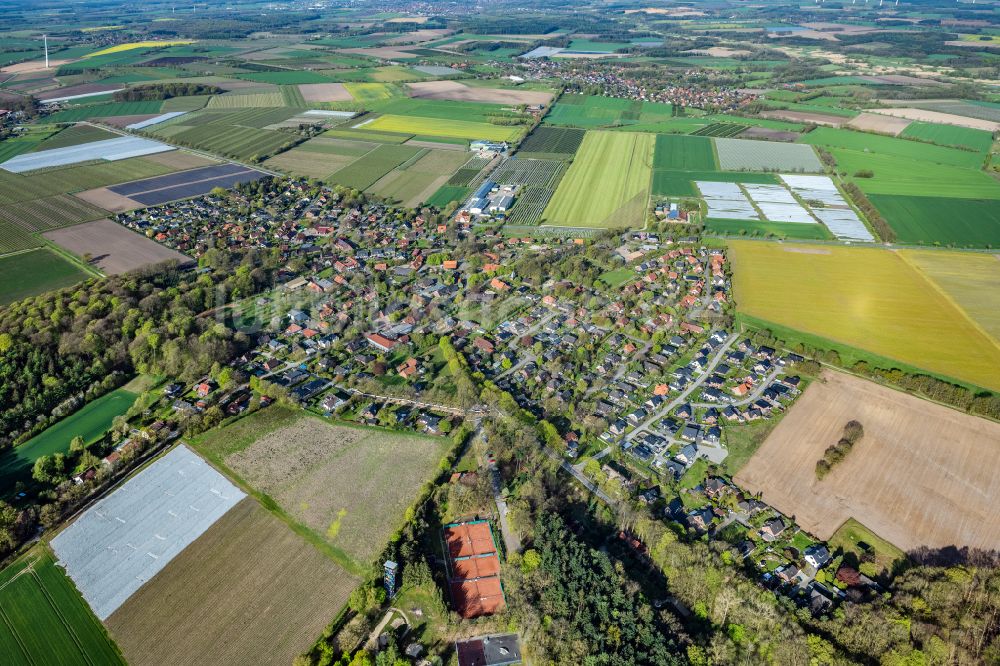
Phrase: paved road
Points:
(676, 402)
(753, 397)
(579, 476)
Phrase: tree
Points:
(77, 445)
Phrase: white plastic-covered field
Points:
(747, 155)
(829, 206)
(156, 120)
(726, 201)
(124, 540)
(109, 149)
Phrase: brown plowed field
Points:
(459, 92)
(876, 122)
(923, 475)
(325, 92)
(114, 248)
(248, 591)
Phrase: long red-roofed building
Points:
(473, 569)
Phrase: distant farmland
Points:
(30, 273)
(840, 295)
(43, 620)
(607, 184)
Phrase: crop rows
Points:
(47, 183)
(720, 129)
(14, 239)
(464, 176)
(553, 140)
(50, 213)
(527, 172)
(243, 143)
(530, 204)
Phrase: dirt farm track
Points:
(923, 475)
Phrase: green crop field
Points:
(242, 143)
(76, 114)
(50, 213)
(462, 129)
(414, 182)
(242, 100)
(44, 620)
(34, 272)
(14, 238)
(720, 129)
(607, 184)
(372, 92)
(448, 193)
(829, 137)
(363, 173)
(684, 153)
(594, 111)
(681, 183)
(91, 423)
(519, 171)
(75, 135)
(14, 146)
(950, 135)
(445, 109)
(941, 220)
(320, 157)
(555, 141)
(791, 230)
(821, 295)
(899, 175)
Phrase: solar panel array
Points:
(124, 540)
(831, 210)
(108, 149)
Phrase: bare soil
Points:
(325, 92)
(458, 92)
(114, 248)
(108, 200)
(938, 117)
(827, 119)
(922, 475)
(875, 122)
(248, 591)
(180, 160)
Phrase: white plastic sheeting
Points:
(128, 537)
(162, 118)
(726, 201)
(829, 206)
(109, 149)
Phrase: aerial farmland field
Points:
(941, 220)
(970, 279)
(366, 171)
(817, 290)
(43, 619)
(607, 184)
(248, 590)
(349, 485)
(898, 480)
(462, 129)
(747, 155)
(684, 153)
(34, 272)
(886, 145)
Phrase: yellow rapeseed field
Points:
(868, 298)
(137, 45)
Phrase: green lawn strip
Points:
(849, 355)
(941, 220)
(742, 441)
(617, 277)
(35, 272)
(850, 536)
(90, 422)
(446, 194)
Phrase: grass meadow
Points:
(941, 220)
(607, 185)
(839, 294)
(34, 272)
